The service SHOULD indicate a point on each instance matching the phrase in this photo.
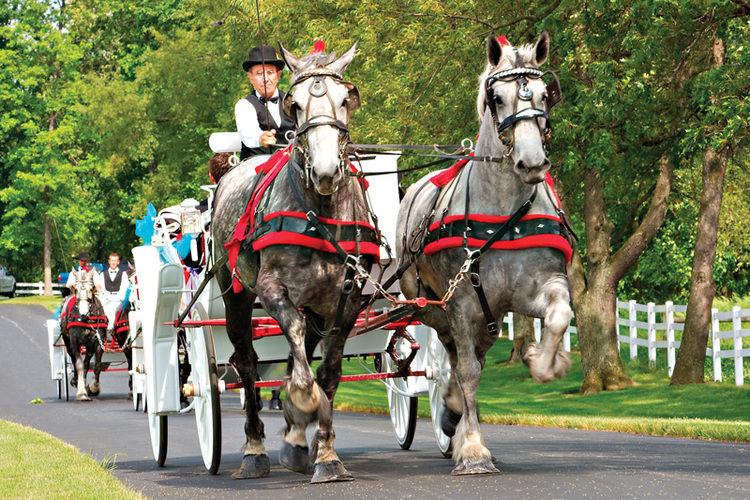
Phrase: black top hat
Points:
(83, 256)
(263, 54)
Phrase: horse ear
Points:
(294, 64)
(542, 48)
(494, 50)
(340, 64)
(354, 101)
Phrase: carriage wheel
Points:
(403, 409)
(157, 426)
(440, 363)
(204, 375)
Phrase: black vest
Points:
(263, 121)
(110, 285)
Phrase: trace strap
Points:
(473, 256)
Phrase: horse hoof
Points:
(449, 421)
(483, 466)
(83, 397)
(295, 457)
(253, 466)
(94, 390)
(331, 471)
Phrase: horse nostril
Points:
(546, 163)
(520, 165)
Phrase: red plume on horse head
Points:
(318, 46)
(503, 41)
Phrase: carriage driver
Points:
(261, 121)
(83, 264)
(113, 285)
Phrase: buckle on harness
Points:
(492, 328)
(348, 286)
(475, 281)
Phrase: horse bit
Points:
(504, 130)
(318, 88)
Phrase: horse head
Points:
(320, 107)
(511, 87)
(84, 291)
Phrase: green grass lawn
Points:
(34, 464)
(50, 303)
(508, 395)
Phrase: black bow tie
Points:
(273, 99)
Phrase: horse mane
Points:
(316, 60)
(526, 53)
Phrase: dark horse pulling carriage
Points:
(304, 228)
(80, 334)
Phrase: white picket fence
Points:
(630, 322)
(36, 288)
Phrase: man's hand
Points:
(267, 138)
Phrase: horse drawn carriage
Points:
(78, 333)
(296, 232)
(410, 358)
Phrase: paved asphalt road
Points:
(534, 462)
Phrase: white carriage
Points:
(163, 295)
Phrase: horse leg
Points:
(549, 360)
(301, 389)
(95, 388)
(295, 454)
(328, 466)
(469, 452)
(81, 369)
(255, 462)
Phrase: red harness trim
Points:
(534, 241)
(492, 219)
(271, 169)
(75, 319)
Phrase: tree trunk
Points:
(691, 358)
(596, 321)
(47, 263)
(689, 367)
(523, 335)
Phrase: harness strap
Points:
(476, 282)
(209, 275)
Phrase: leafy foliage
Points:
(107, 106)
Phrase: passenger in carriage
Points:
(113, 285)
(260, 117)
(218, 165)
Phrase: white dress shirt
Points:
(247, 119)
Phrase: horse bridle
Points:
(318, 88)
(521, 75)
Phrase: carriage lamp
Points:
(190, 217)
(189, 390)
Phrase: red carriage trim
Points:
(271, 169)
(554, 241)
(491, 219)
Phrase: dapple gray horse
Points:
(287, 278)
(532, 282)
(87, 310)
